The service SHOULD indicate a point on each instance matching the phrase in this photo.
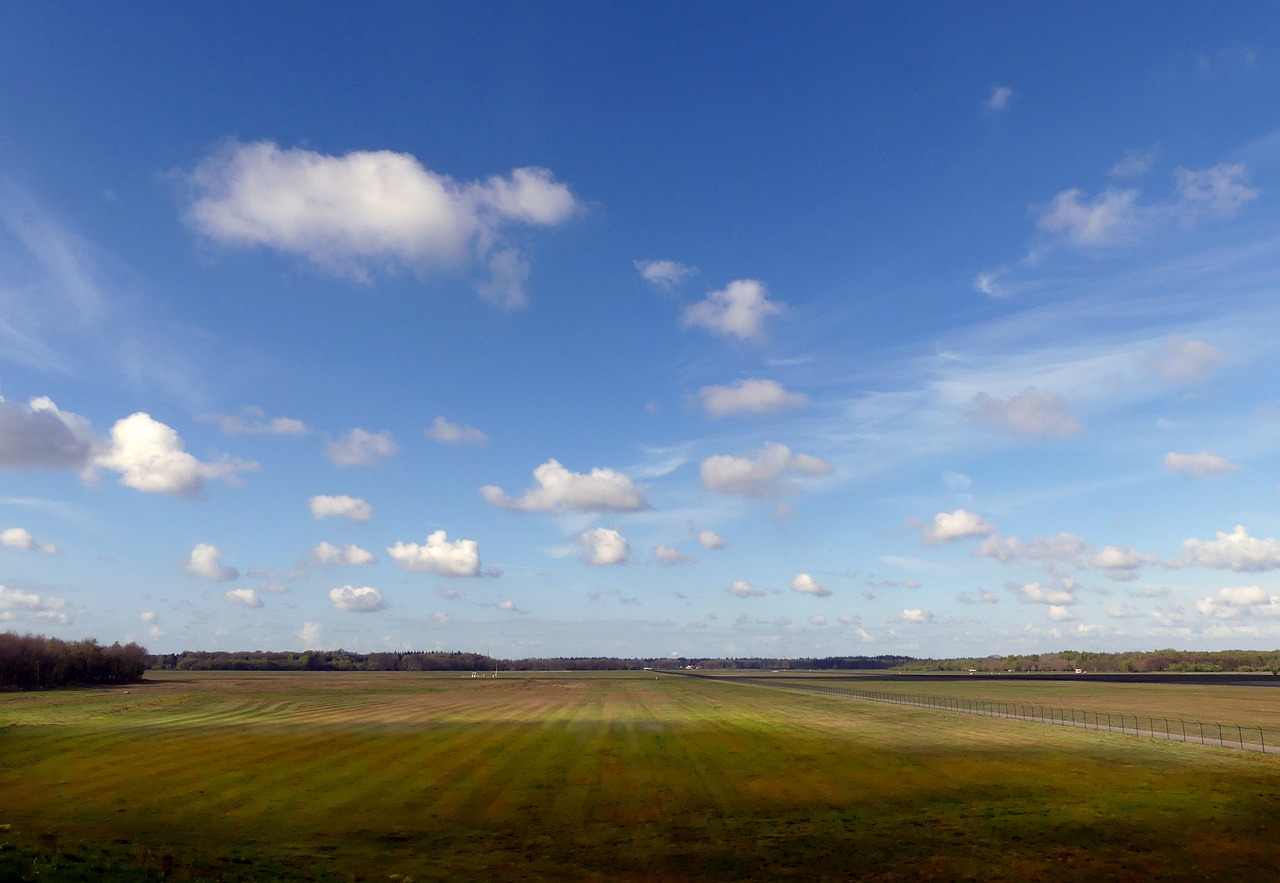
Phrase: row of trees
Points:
(1131, 661)
(345, 660)
(33, 662)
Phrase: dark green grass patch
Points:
(638, 778)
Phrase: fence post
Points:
(1240, 733)
(1263, 739)
(1219, 735)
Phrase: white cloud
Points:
(1243, 602)
(749, 397)
(359, 447)
(1217, 191)
(737, 310)
(21, 538)
(442, 430)
(1180, 360)
(804, 584)
(151, 457)
(40, 436)
(357, 600)
(709, 539)
(441, 617)
(915, 615)
(148, 616)
(999, 98)
(1233, 551)
(1059, 613)
(1199, 465)
(205, 562)
(1134, 163)
(508, 605)
(242, 598)
(664, 274)
(351, 214)
(327, 553)
(742, 589)
(438, 556)
(948, 527)
(602, 545)
(559, 490)
(988, 283)
(312, 635)
(1030, 412)
(1112, 218)
(817, 620)
(1039, 594)
(17, 604)
(763, 475)
(252, 420)
(1122, 562)
(670, 556)
(1065, 548)
(340, 506)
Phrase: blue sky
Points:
(569, 329)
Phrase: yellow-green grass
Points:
(637, 777)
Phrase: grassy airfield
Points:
(636, 776)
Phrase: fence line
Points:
(1223, 735)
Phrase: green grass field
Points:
(374, 776)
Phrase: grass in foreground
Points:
(642, 777)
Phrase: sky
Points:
(651, 329)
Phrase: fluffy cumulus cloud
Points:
(743, 589)
(21, 538)
(1030, 412)
(253, 420)
(749, 397)
(1121, 562)
(1112, 218)
(670, 556)
(340, 506)
(205, 562)
(664, 274)
(312, 635)
(327, 553)
(1041, 594)
(709, 539)
(359, 447)
(1180, 360)
(948, 527)
(915, 615)
(38, 435)
(242, 598)
(16, 604)
(439, 556)
(766, 474)
(364, 599)
(151, 457)
(1199, 465)
(448, 433)
(804, 584)
(1243, 602)
(559, 490)
(1233, 551)
(739, 310)
(363, 210)
(602, 546)
(1062, 549)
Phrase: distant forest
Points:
(34, 662)
(1066, 660)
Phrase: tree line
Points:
(34, 662)
(1135, 661)
(346, 660)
